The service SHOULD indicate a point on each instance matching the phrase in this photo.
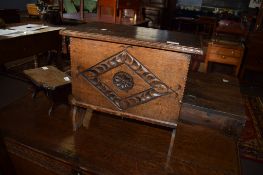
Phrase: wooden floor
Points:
(112, 145)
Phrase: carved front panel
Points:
(137, 82)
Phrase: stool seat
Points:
(53, 81)
(48, 77)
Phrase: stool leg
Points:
(35, 91)
(51, 108)
(35, 61)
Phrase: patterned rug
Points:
(251, 143)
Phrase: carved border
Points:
(131, 41)
(157, 89)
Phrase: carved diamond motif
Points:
(157, 87)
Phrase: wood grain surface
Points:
(110, 145)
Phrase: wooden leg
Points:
(241, 75)
(87, 118)
(206, 66)
(80, 117)
(52, 107)
(169, 154)
(34, 93)
(237, 70)
(35, 61)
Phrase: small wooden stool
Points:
(55, 83)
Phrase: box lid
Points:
(138, 36)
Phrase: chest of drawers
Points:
(224, 53)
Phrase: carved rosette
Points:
(124, 81)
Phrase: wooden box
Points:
(130, 71)
(214, 100)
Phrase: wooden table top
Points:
(27, 33)
(215, 92)
(24, 44)
(115, 146)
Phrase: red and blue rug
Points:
(251, 142)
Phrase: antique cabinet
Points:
(226, 53)
(130, 71)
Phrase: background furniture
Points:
(10, 15)
(107, 8)
(155, 11)
(226, 53)
(132, 6)
(38, 144)
(231, 28)
(32, 10)
(205, 26)
(253, 59)
(214, 100)
(25, 45)
(55, 83)
(259, 20)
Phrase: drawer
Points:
(225, 51)
(223, 59)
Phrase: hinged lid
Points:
(137, 36)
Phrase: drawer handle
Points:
(223, 56)
(232, 52)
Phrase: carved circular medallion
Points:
(123, 81)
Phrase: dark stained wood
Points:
(6, 166)
(138, 36)
(110, 145)
(210, 101)
(12, 48)
(259, 21)
(253, 60)
(24, 167)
